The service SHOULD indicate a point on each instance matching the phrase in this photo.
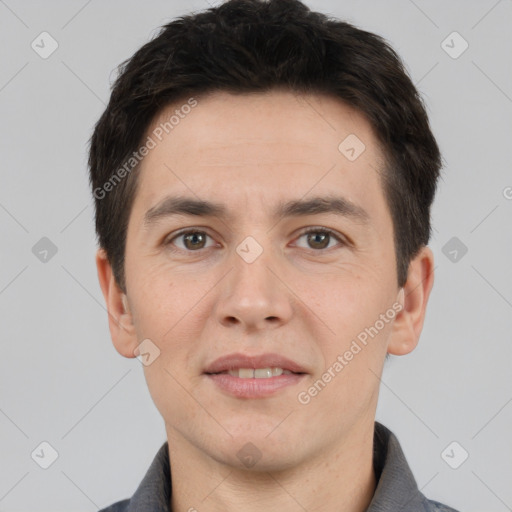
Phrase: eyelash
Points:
(322, 230)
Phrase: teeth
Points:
(246, 373)
(258, 373)
(263, 373)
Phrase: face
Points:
(288, 261)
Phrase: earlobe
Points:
(414, 298)
(120, 319)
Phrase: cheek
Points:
(350, 298)
(350, 306)
(159, 298)
(171, 309)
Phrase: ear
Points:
(120, 318)
(416, 291)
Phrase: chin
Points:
(254, 458)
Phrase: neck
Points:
(341, 479)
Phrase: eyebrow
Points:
(171, 206)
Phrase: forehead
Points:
(275, 118)
(260, 145)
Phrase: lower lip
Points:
(254, 388)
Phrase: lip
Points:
(253, 388)
(233, 361)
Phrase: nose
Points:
(254, 296)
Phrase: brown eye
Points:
(320, 238)
(189, 240)
(194, 240)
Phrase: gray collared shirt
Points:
(396, 488)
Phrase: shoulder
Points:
(153, 492)
(397, 488)
(435, 506)
(119, 506)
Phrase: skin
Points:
(251, 152)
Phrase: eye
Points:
(320, 238)
(192, 240)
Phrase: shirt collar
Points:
(396, 488)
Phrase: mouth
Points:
(256, 373)
(264, 364)
(245, 376)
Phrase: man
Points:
(263, 178)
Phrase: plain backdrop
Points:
(61, 380)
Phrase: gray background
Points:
(61, 380)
